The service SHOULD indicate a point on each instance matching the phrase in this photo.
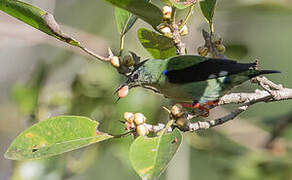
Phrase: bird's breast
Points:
(201, 91)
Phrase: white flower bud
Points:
(184, 30)
(139, 119)
(165, 30)
(115, 61)
(129, 117)
(142, 130)
(166, 11)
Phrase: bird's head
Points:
(145, 74)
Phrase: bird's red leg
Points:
(212, 104)
(203, 107)
(186, 105)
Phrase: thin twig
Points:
(102, 58)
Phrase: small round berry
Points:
(216, 39)
(139, 119)
(115, 61)
(142, 130)
(129, 117)
(129, 125)
(166, 11)
(182, 123)
(123, 92)
(203, 51)
(128, 61)
(184, 30)
(221, 48)
(177, 110)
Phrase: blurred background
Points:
(41, 77)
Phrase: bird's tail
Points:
(261, 72)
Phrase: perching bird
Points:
(192, 79)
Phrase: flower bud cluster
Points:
(136, 121)
(167, 17)
(217, 41)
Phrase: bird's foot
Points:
(204, 107)
(212, 104)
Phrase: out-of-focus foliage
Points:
(252, 31)
(236, 51)
(26, 95)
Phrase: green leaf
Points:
(182, 4)
(142, 9)
(159, 46)
(55, 136)
(125, 20)
(208, 8)
(150, 156)
(36, 18)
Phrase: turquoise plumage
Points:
(191, 78)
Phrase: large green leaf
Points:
(37, 18)
(159, 46)
(55, 136)
(125, 20)
(144, 10)
(208, 8)
(150, 156)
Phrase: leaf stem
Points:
(187, 17)
(211, 25)
(122, 43)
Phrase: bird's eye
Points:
(135, 76)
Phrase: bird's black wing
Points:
(208, 69)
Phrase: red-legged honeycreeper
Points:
(191, 78)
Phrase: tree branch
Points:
(272, 93)
(181, 49)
